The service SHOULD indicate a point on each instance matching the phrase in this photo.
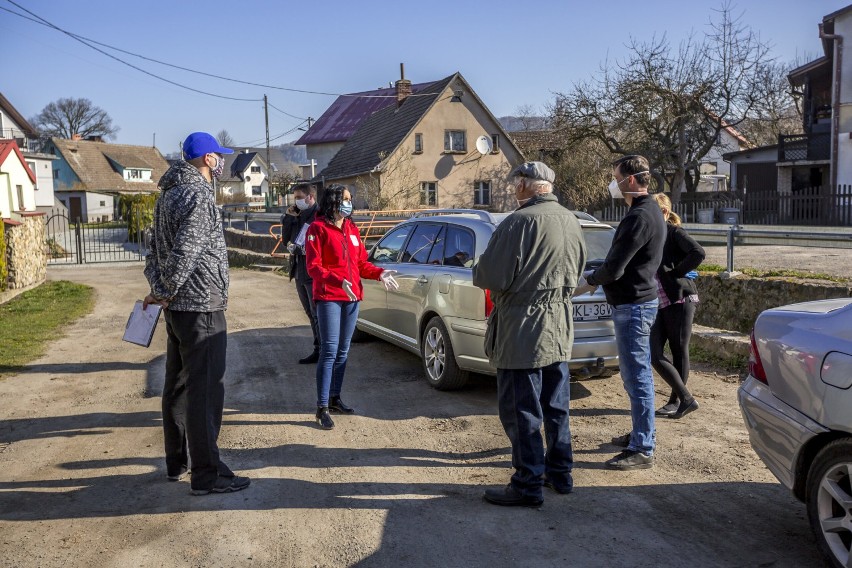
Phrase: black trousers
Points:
(673, 326)
(194, 394)
(305, 288)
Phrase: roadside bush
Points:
(138, 212)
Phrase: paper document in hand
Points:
(142, 323)
(300, 238)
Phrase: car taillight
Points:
(755, 365)
(489, 305)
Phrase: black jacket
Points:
(680, 255)
(290, 228)
(627, 274)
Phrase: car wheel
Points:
(439, 359)
(829, 493)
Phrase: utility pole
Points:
(310, 122)
(268, 164)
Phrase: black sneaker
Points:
(224, 485)
(336, 405)
(629, 460)
(324, 419)
(184, 471)
(510, 497)
(312, 358)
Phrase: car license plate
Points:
(592, 311)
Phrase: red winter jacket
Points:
(336, 254)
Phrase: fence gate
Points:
(75, 242)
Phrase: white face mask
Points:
(301, 204)
(615, 190)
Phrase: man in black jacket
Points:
(627, 277)
(293, 229)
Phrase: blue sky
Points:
(512, 53)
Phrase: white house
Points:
(17, 182)
(15, 127)
(728, 140)
(245, 177)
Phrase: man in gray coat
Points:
(187, 269)
(532, 264)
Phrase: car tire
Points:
(359, 336)
(439, 358)
(829, 479)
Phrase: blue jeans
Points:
(632, 334)
(526, 398)
(336, 322)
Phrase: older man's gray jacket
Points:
(188, 261)
(532, 264)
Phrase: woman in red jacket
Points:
(337, 260)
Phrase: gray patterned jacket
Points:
(188, 261)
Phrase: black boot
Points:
(324, 418)
(312, 358)
(336, 405)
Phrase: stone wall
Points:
(250, 241)
(735, 303)
(27, 261)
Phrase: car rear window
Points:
(598, 242)
(460, 247)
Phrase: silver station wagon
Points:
(440, 315)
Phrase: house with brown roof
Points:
(89, 175)
(426, 145)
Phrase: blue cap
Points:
(200, 143)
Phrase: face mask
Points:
(220, 165)
(615, 190)
(301, 204)
(346, 208)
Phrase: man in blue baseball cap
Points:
(187, 269)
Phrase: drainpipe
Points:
(835, 103)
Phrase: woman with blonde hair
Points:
(678, 298)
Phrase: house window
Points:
(55, 174)
(482, 193)
(428, 193)
(418, 143)
(20, 190)
(718, 138)
(455, 141)
(255, 169)
(256, 190)
(495, 143)
(103, 203)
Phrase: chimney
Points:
(403, 86)
(76, 137)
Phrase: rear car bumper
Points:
(777, 431)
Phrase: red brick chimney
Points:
(76, 137)
(403, 86)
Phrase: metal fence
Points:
(75, 242)
(814, 206)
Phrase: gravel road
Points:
(83, 480)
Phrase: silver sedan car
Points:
(797, 406)
(439, 314)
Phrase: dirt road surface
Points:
(82, 478)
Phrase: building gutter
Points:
(835, 102)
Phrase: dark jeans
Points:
(305, 289)
(194, 394)
(526, 398)
(336, 324)
(673, 325)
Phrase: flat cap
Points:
(534, 170)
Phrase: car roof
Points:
(473, 218)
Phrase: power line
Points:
(87, 44)
(253, 84)
(286, 113)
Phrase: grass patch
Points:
(733, 362)
(776, 273)
(37, 316)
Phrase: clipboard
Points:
(141, 324)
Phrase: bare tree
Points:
(778, 110)
(225, 139)
(669, 104)
(66, 117)
(394, 186)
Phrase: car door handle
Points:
(422, 280)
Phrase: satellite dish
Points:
(248, 178)
(483, 145)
